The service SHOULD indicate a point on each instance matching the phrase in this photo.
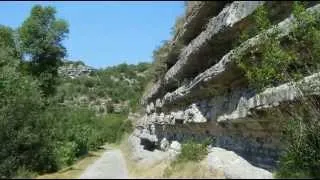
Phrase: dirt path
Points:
(110, 165)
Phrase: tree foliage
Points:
(37, 132)
(41, 36)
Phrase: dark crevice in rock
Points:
(148, 145)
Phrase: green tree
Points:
(41, 36)
(8, 42)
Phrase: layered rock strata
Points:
(210, 45)
(215, 102)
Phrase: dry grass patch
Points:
(166, 168)
(192, 170)
(154, 171)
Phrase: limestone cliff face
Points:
(204, 94)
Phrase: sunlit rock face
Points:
(214, 101)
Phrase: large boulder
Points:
(234, 166)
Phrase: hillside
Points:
(112, 89)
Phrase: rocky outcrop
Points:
(239, 103)
(75, 70)
(234, 166)
(206, 95)
(246, 122)
(224, 74)
(212, 43)
(195, 49)
(197, 15)
(273, 97)
(224, 22)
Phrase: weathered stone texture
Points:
(233, 166)
(206, 44)
(224, 74)
(214, 101)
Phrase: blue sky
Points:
(106, 33)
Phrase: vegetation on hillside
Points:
(38, 133)
(112, 85)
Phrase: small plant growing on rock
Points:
(192, 151)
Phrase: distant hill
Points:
(113, 89)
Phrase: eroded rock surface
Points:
(204, 94)
(234, 166)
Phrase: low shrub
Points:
(193, 151)
(302, 156)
